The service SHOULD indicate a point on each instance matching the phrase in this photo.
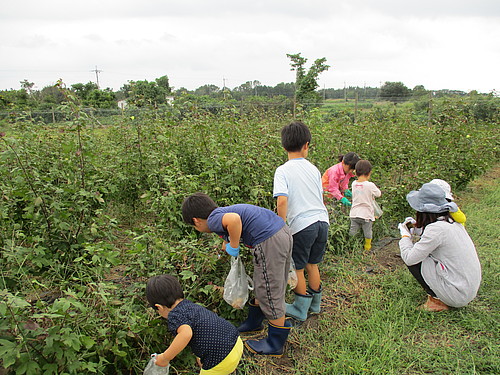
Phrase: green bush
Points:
(88, 213)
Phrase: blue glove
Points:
(345, 202)
(348, 193)
(233, 251)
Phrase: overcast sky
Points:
(440, 44)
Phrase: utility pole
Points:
(97, 75)
(224, 87)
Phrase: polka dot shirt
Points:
(213, 337)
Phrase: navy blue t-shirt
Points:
(213, 337)
(258, 223)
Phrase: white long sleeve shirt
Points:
(450, 265)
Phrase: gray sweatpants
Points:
(364, 224)
(271, 262)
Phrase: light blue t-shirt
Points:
(300, 181)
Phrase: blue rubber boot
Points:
(315, 307)
(273, 344)
(298, 310)
(253, 322)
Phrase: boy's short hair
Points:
(198, 205)
(163, 290)
(294, 136)
(363, 168)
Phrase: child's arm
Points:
(181, 340)
(232, 223)
(282, 206)
(334, 187)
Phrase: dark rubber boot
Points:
(273, 344)
(253, 322)
(298, 310)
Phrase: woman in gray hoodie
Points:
(444, 261)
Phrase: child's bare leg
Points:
(313, 276)
(301, 287)
(280, 322)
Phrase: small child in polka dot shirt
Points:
(214, 340)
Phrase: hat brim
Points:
(413, 200)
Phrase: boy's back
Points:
(258, 223)
(300, 181)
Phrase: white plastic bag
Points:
(153, 369)
(377, 211)
(292, 275)
(237, 284)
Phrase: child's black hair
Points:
(363, 168)
(163, 290)
(294, 136)
(198, 205)
(350, 159)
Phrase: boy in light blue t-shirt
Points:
(299, 193)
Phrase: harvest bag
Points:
(237, 284)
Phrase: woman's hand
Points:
(403, 229)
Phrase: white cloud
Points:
(440, 43)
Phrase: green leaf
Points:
(3, 308)
(87, 342)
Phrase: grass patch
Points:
(370, 323)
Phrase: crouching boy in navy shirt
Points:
(215, 341)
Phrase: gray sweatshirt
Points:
(450, 265)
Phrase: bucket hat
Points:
(430, 198)
(445, 186)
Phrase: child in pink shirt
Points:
(364, 193)
(336, 178)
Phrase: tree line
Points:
(143, 94)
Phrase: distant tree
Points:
(306, 82)
(51, 96)
(395, 92)
(14, 100)
(101, 99)
(82, 90)
(209, 90)
(33, 95)
(28, 86)
(419, 91)
(182, 91)
(92, 96)
(144, 93)
(447, 92)
(285, 89)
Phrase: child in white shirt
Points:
(364, 193)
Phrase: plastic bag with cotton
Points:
(237, 284)
(292, 275)
(153, 369)
(377, 211)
